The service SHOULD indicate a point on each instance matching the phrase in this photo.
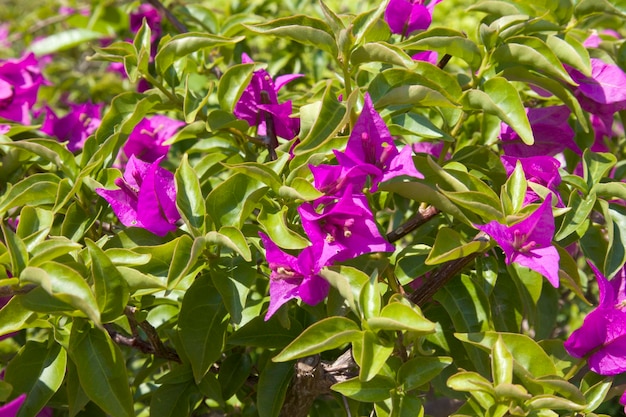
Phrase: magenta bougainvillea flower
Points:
(551, 131)
(11, 408)
(529, 242)
(342, 228)
(20, 80)
(602, 337)
(293, 277)
(259, 105)
(603, 92)
(76, 126)
(542, 170)
(371, 149)
(146, 141)
(152, 17)
(427, 56)
(407, 16)
(146, 197)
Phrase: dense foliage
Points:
(297, 207)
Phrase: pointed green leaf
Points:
(232, 85)
(110, 287)
(202, 325)
(377, 389)
(64, 284)
(303, 29)
(187, 43)
(399, 316)
(418, 371)
(272, 389)
(189, 198)
(501, 363)
(326, 334)
(37, 370)
(449, 245)
(101, 369)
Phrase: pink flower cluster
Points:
(340, 224)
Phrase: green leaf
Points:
(275, 225)
(417, 372)
(51, 150)
(232, 238)
(232, 85)
(111, 289)
(202, 325)
(525, 351)
(41, 188)
(449, 245)
(369, 298)
(326, 334)
(175, 398)
(570, 51)
(508, 102)
(233, 372)
(64, 284)
(188, 43)
(501, 363)
(189, 198)
(595, 395)
(320, 121)
(477, 385)
(50, 249)
(184, 259)
(268, 334)
(401, 317)
(303, 29)
(445, 41)
(576, 220)
(533, 53)
(596, 166)
(377, 389)
(586, 8)
(13, 316)
(101, 369)
(38, 369)
(230, 203)
(422, 192)
(272, 389)
(380, 52)
(61, 41)
(372, 355)
(348, 281)
(515, 188)
(552, 402)
(16, 249)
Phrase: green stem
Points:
(162, 88)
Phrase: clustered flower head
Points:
(259, 106)
(147, 140)
(529, 242)
(146, 197)
(76, 126)
(340, 224)
(407, 16)
(20, 80)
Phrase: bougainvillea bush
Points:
(298, 207)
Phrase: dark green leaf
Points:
(189, 198)
(232, 84)
(418, 371)
(202, 325)
(272, 388)
(110, 287)
(101, 369)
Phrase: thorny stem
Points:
(444, 274)
(444, 61)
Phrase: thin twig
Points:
(418, 219)
(180, 27)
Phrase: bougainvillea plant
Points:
(312, 208)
